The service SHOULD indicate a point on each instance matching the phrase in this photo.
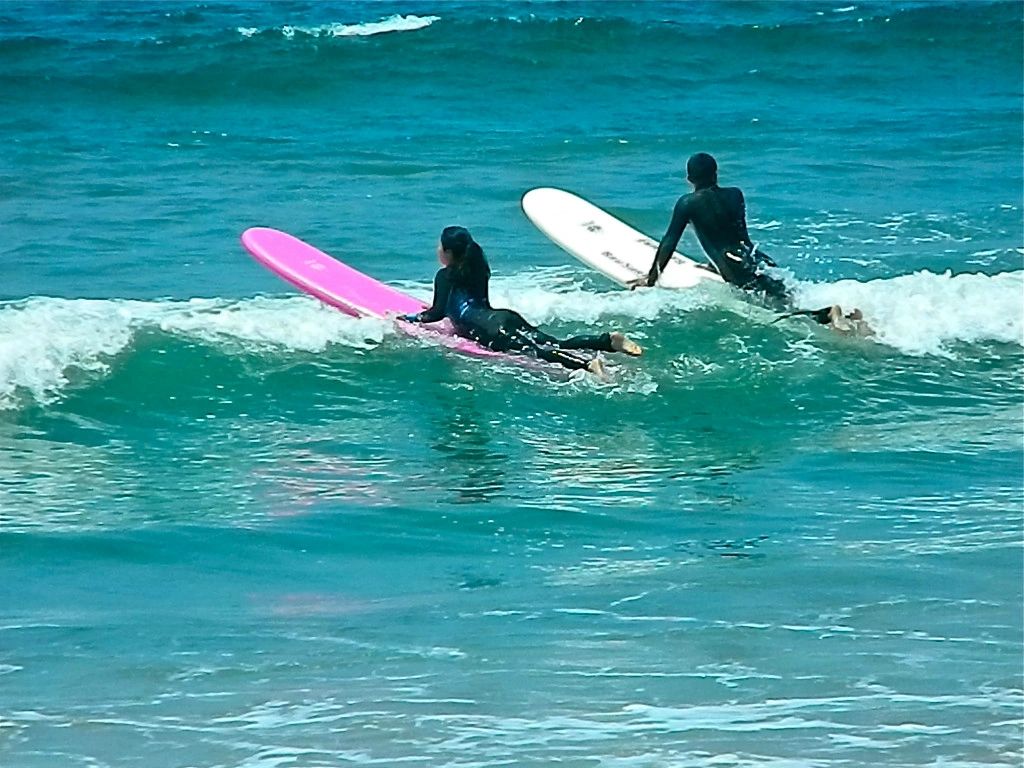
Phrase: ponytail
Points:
(468, 261)
(475, 262)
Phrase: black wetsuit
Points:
(466, 304)
(719, 218)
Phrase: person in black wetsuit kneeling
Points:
(719, 218)
(460, 294)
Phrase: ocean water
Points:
(240, 529)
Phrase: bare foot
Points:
(838, 320)
(596, 367)
(860, 326)
(622, 343)
(850, 323)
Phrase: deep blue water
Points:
(240, 529)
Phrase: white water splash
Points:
(546, 296)
(41, 340)
(925, 313)
(47, 342)
(396, 23)
(296, 323)
(919, 314)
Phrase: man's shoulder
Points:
(685, 201)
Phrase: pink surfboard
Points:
(345, 288)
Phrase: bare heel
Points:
(596, 367)
(622, 343)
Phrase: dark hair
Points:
(702, 169)
(468, 260)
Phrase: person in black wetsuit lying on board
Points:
(719, 218)
(460, 294)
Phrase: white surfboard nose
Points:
(604, 242)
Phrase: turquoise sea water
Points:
(240, 529)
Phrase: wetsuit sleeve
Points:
(442, 287)
(680, 218)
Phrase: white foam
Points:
(918, 314)
(926, 313)
(296, 323)
(46, 342)
(543, 297)
(42, 340)
(395, 23)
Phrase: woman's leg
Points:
(563, 358)
(508, 331)
(606, 342)
(601, 343)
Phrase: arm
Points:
(680, 218)
(442, 287)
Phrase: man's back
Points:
(718, 215)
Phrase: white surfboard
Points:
(606, 243)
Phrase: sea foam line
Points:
(926, 313)
(45, 342)
(396, 23)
